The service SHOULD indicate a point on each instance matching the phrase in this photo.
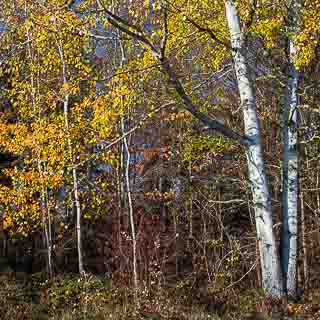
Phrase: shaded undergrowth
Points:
(92, 297)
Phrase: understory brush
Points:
(69, 297)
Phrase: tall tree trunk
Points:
(74, 169)
(269, 255)
(46, 221)
(126, 142)
(289, 252)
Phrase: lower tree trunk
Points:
(130, 207)
(46, 221)
(304, 244)
(78, 221)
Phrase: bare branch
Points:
(239, 280)
(119, 19)
(228, 201)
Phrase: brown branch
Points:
(209, 32)
(173, 80)
(124, 26)
(126, 72)
(204, 118)
(137, 36)
(119, 19)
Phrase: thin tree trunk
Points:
(46, 219)
(131, 216)
(5, 245)
(47, 239)
(269, 256)
(163, 213)
(318, 193)
(49, 236)
(289, 252)
(74, 169)
(78, 220)
(128, 189)
(190, 196)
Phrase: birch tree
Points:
(289, 250)
(126, 144)
(269, 256)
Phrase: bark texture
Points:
(269, 256)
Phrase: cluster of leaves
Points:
(197, 146)
(53, 69)
(165, 196)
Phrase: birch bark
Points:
(289, 253)
(269, 256)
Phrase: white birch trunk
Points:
(76, 191)
(78, 221)
(48, 229)
(289, 253)
(74, 169)
(46, 221)
(47, 233)
(126, 142)
(269, 256)
(131, 214)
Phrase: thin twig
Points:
(234, 283)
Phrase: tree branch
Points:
(204, 118)
(124, 26)
(139, 125)
(173, 80)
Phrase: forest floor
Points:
(70, 298)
